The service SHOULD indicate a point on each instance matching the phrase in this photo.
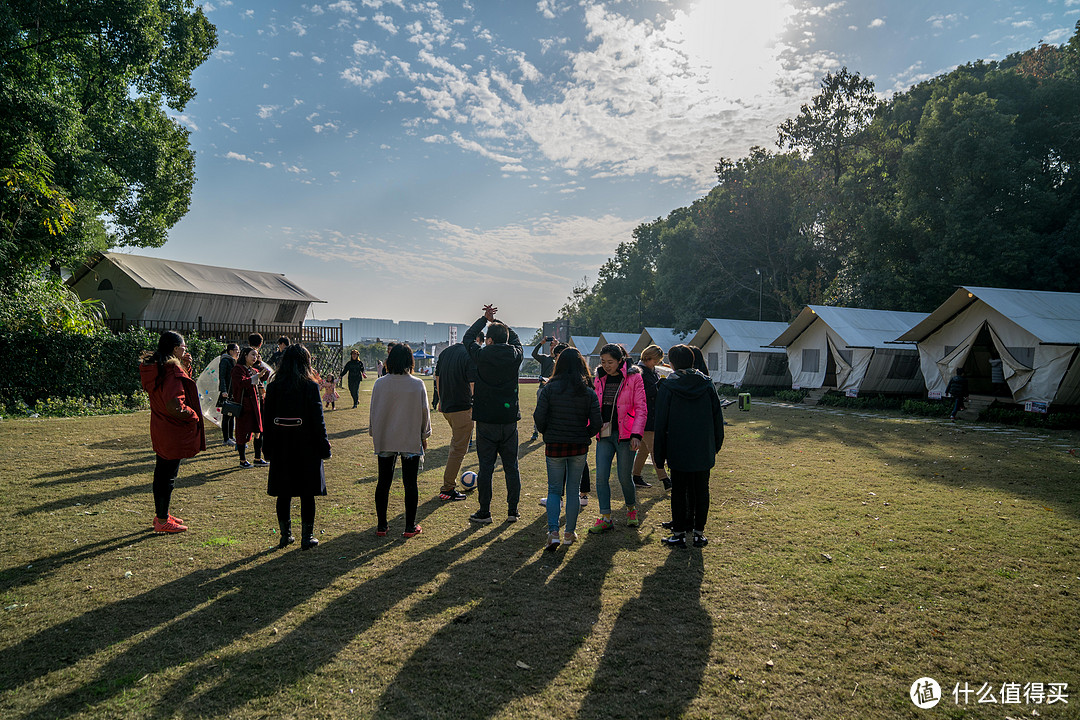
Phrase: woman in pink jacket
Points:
(621, 391)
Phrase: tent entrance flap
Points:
(958, 357)
(837, 368)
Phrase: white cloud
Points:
(1060, 35)
(317, 60)
(514, 168)
(223, 54)
(343, 6)
(238, 156)
(267, 165)
(386, 23)
(266, 111)
(942, 22)
(547, 8)
(317, 10)
(296, 54)
(363, 47)
(876, 23)
(1024, 24)
(363, 78)
(248, 14)
(298, 28)
(186, 121)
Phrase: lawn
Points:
(850, 555)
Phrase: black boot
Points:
(286, 534)
(307, 539)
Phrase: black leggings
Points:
(689, 500)
(354, 390)
(164, 475)
(307, 509)
(410, 468)
(228, 422)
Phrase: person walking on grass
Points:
(355, 370)
(226, 363)
(623, 410)
(957, 389)
(246, 389)
(495, 410)
(176, 420)
(689, 431)
(568, 415)
(650, 358)
(295, 442)
(455, 374)
(400, 424)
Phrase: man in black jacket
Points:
(495, 410)
(689, 431)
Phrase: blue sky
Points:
(415, 160)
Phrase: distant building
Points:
(368, 330)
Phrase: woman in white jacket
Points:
(400, 424)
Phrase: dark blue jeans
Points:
(495, 440)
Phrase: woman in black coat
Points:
(295, 442)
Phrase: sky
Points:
(416, 160)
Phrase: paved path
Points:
(1008, 433)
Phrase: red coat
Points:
(176, 419)
(245, 390)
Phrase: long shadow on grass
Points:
(100, 471)
(657, 652)
(40, 567)
(904, 445)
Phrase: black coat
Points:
(651, 380)
(295, 450)
(495, 393)
(565, 416)
(689, 422)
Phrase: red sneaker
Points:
(175, 519)
(412, 533)
(169, 526)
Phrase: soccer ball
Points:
(468, 479)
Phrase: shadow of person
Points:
(662, 667)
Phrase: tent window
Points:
(904, 367)
(714, 362)
(846, 355)
(811, 360)
(775, 364)
(105, 284)
(1024, 355)
(285, 312)
(732, 362)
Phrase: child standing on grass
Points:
(176, 420)
(330, 394)
(246, 389)
(689, 431)
(400, 424)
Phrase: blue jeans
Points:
(564, 471)
(608, 449)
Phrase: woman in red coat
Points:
(245, 390)
(176, 420)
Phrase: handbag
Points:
(233, 408)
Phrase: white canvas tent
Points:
(847, 349)
(735, 354)
(627, 340)
(146, 288)
(664, 338)
(1020, 344)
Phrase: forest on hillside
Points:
(969, 178)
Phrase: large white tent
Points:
(627, 340)
(664, 338)
(735, 354)
(847, 349)
(1020, 344)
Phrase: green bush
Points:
(875, 402)
(791, 396)
(1017, 416)
(927, 408)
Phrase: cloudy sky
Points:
(414, 160)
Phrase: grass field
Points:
(849, 556)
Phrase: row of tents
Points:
(1018, 345)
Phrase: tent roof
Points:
(743, 335)
(857, 327)
(627, 340)
(1053, 317)
(175, 276)
(666, 338)
(585, 344)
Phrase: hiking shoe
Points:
(452, 495)
(641, 482)
(584, 500)
(229, 443)
(416, 530)
(700, 540)
(667, 483)
(169, 526)
(632, 519)
(380, 531)
(261, 463)
(676, 540)
(601, 525)
(568, 538)
(245, 464)
(479, 517)
(513, 516)
(552, 542)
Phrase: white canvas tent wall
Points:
(735, 356)
(1034, 333)
(847, 349)
(585, 344)
(146, 288)
(664, 338)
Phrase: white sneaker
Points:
(584, 500)
(552, 541)
(543, 503)
(569, 538)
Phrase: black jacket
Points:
(689, 422)
(651, 379)
(547, 363)
(495, 394)
(565, 416)
(295, 451)
(225, 366)
(455, 370)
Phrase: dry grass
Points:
(953, 554)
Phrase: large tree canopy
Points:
(89, 158)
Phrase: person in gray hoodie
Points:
(689, 431)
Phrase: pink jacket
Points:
(630, 403)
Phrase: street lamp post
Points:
(761, 285)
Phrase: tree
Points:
(89, 156)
